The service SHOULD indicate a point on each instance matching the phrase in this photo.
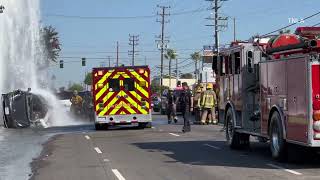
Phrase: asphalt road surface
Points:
(162, 153)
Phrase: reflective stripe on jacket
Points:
(208, 99)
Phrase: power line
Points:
(121, 17)
(308, 17)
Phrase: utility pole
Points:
(177, 72)
(133, 41)
(109, 59)
(234, 29)
(216, 23)
(117, 54)
(162, 43)
(145, 60)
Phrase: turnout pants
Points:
(208, 114)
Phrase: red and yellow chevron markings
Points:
(123, 101)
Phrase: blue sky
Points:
(96, 38)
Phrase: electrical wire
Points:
(122, 17)
(308, 17)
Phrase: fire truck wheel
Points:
(233, 138)
(145, 125)
(98, 127)
(277, 142)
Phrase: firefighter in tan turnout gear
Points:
(76, 105)
(207, 104)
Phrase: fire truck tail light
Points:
(141, 71)
(316, 115)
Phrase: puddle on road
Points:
(19, 146)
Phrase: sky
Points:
(95, 38)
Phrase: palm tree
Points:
(51, 42)
(171, 54)
(196, 57)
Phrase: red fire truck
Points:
(270, 88)
(122, 96)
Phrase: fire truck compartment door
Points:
(297, 123)
(114, 88)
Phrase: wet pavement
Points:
(19, 146)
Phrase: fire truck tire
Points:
(145, 125)
(278, 144)
(98, 127)
(234, 139)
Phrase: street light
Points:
(1, 8)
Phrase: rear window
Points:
(114, 84)
(128, 84)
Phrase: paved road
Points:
(161, 153)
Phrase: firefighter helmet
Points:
(209, 86)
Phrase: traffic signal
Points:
(61, 63)
(83, 61)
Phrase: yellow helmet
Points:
(209, 86)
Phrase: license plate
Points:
(135, 124)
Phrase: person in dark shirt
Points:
(186, 104)
(171, 107)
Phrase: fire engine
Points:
(269, 87)
(122, 96)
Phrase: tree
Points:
(76, 87)
(171, 54)
(51, 43)
(186, 76)
(196, 57)
(88, 79)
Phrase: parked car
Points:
(156, 103)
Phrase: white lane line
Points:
(118, 174)
(98, 150)
(174, 134)
(214, 147)
(87, 137)
(287, 170)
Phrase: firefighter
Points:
(207, 103)
(171, 107)
(196, 102)
(76, 103)
(186, 104)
